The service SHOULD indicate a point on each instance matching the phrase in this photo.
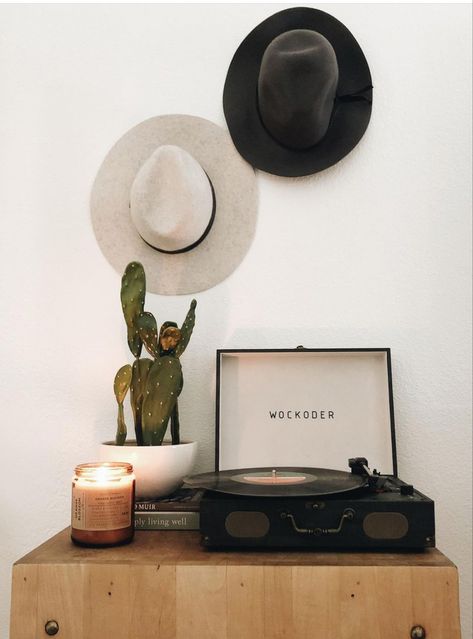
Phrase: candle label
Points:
(95, 508)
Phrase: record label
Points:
(273, 478)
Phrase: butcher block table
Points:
(164, 585)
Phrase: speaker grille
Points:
(385, 525)
(244, 523)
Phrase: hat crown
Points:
(171, 200)
(297, 85)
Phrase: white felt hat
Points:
(175, 195)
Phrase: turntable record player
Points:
(317, 406)
(313, 508)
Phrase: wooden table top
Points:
(183, 547)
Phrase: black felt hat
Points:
(298, 93)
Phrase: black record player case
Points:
(399, 517)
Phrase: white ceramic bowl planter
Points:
(159, 470)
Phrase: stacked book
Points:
(179, 511)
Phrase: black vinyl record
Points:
(278, 482)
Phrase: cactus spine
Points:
(155, 384)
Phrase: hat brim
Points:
(350, 116)
(232, 231)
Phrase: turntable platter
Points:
(278, 482)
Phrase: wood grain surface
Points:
(181, 547)
(166, 586)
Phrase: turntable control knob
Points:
(418, 632)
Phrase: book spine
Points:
(167, 521)
(155, 507)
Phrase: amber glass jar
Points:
(103, 497)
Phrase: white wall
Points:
(372, 252)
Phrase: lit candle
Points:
(103, 496)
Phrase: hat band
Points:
(201, 238)
(363, 95)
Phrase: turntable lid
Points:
(304, 407)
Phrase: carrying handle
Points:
(348, 514)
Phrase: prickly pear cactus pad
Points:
(133, 293)
(148, 332)
(122, 382)
(162, 390)
(121, 385)
(186, 329)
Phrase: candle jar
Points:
(103, 496)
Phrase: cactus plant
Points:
(154, 384)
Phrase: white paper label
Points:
(98, 508)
